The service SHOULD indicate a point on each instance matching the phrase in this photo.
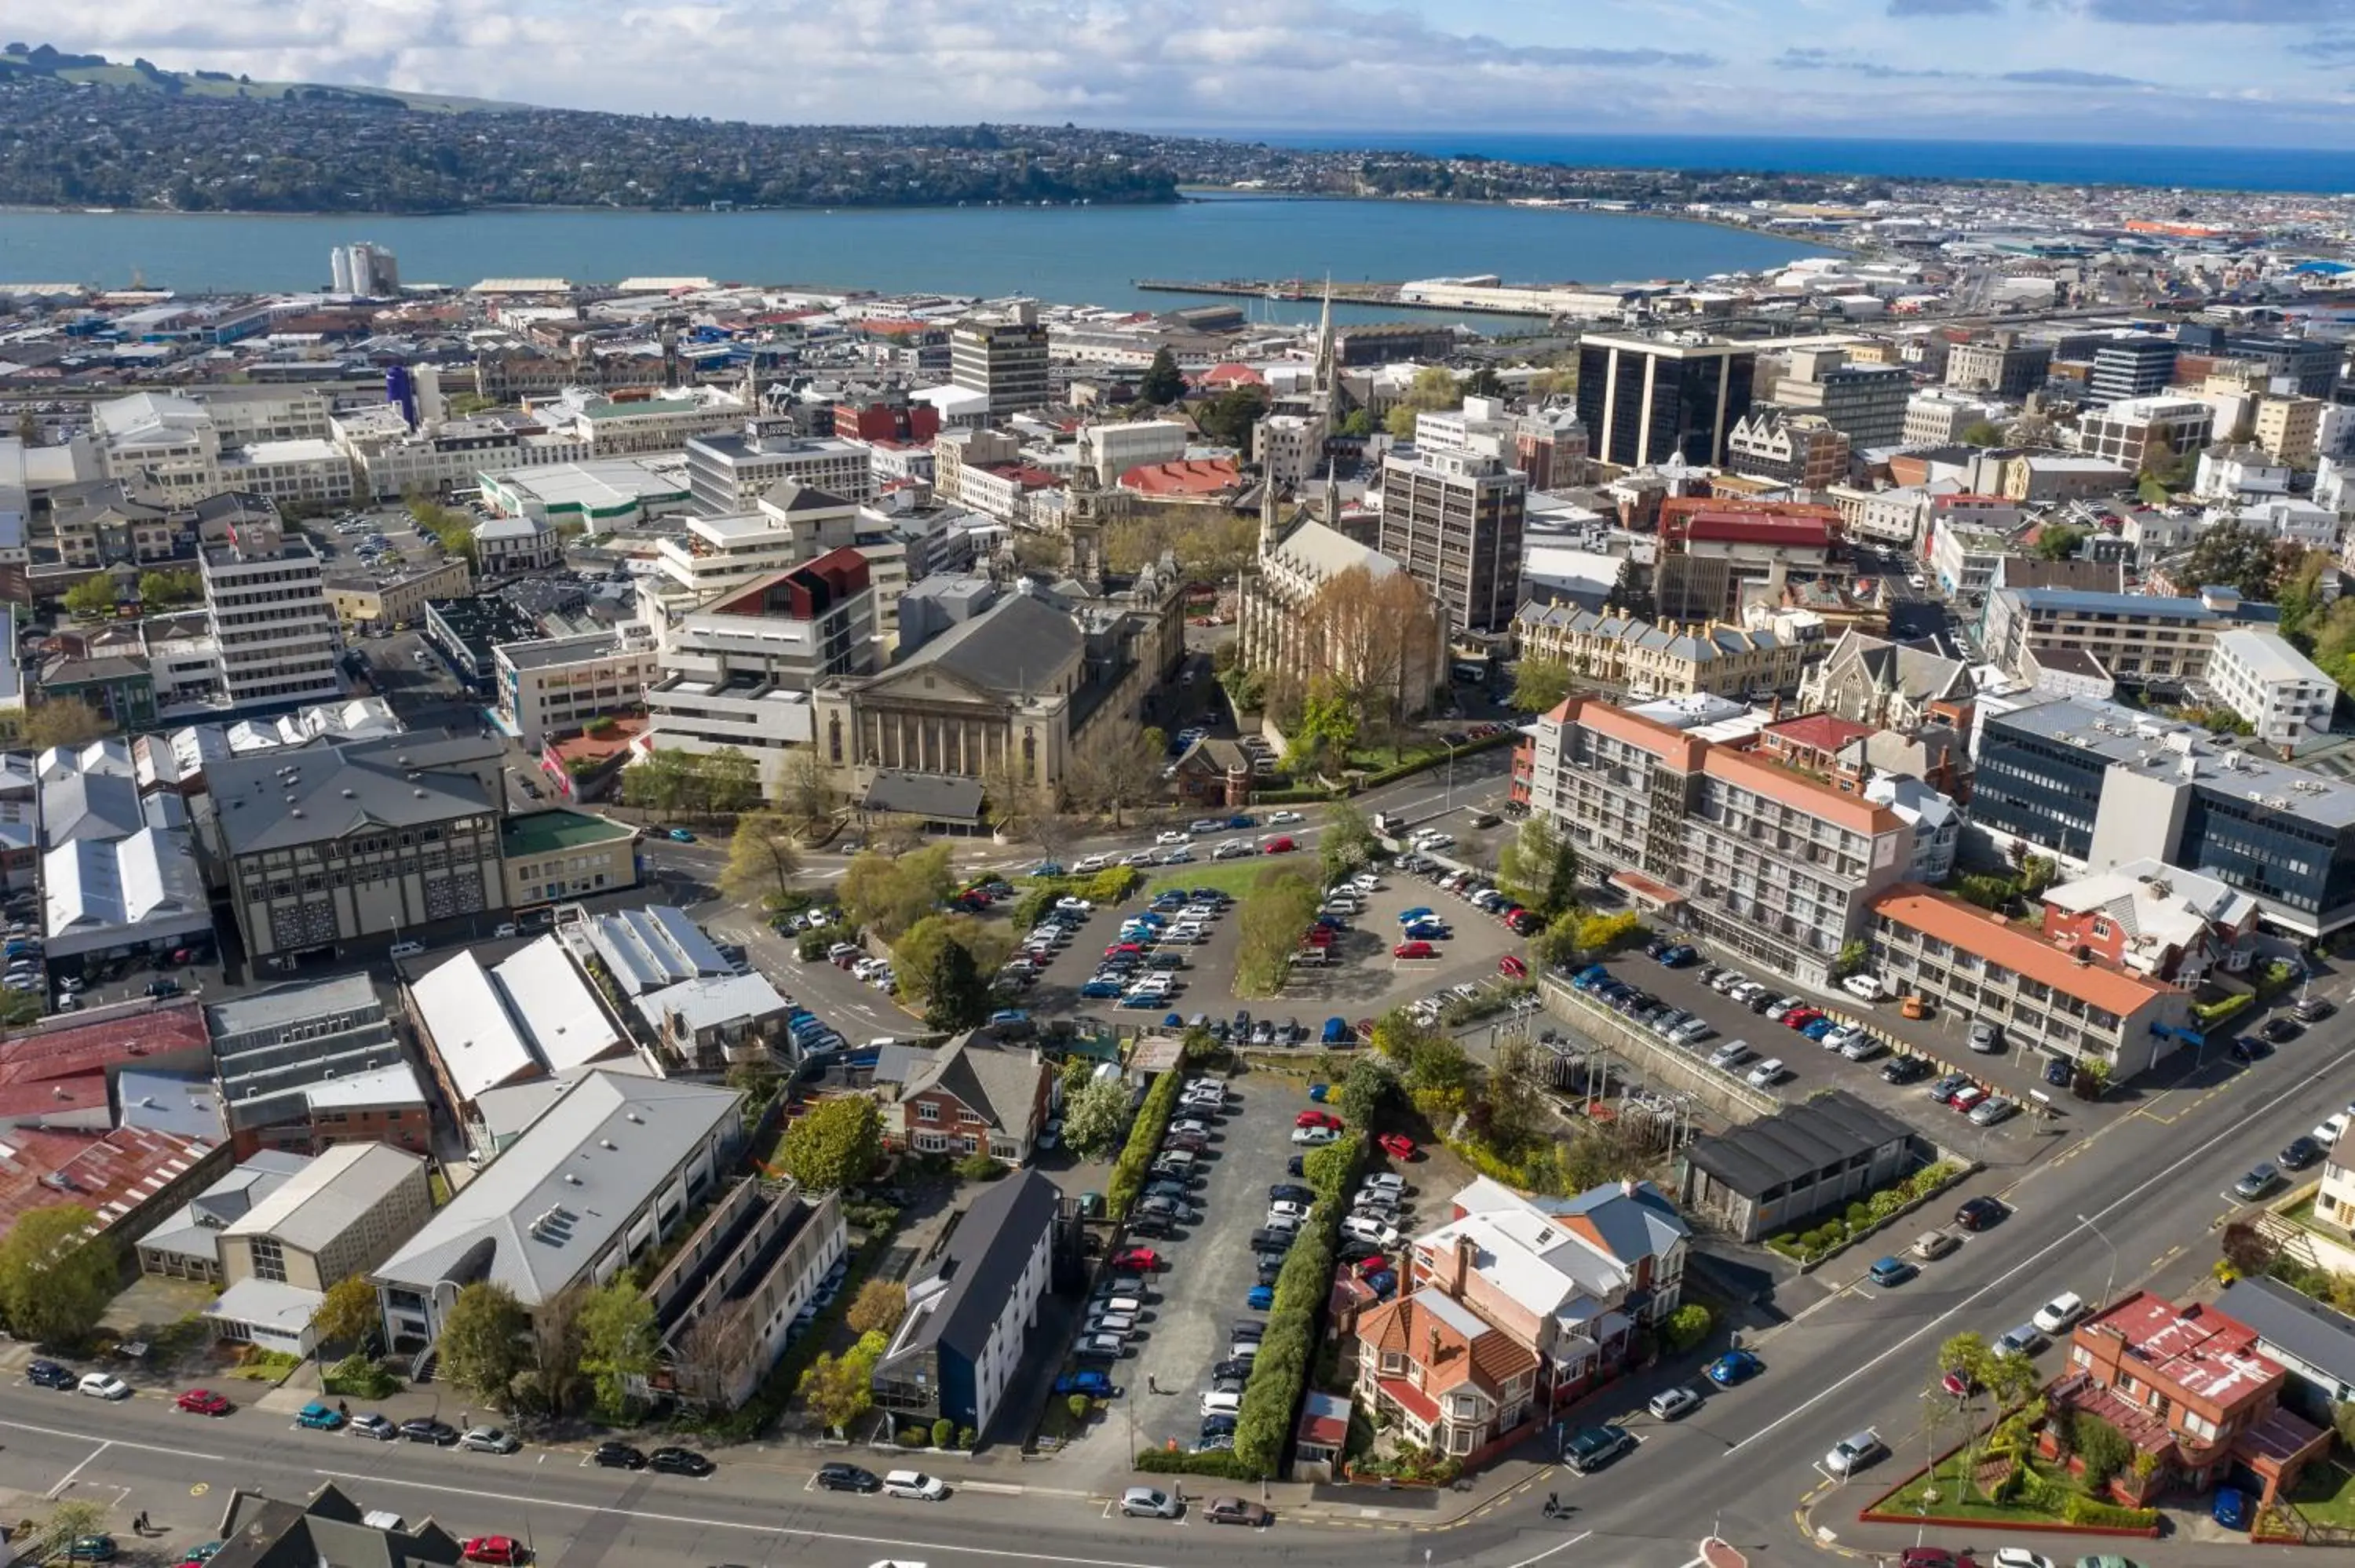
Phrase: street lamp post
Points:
(1447, 797)
(2105, 1241)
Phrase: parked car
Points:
(501, 1550)
(1238, 1510)
(1149, 1502)
(1891, 1272)
(618, 1456)
(674, 1461)
(2261, 1179)
(839, 1478)
(1733, 1367)
(1978, 1213)
(1854, 1452)
(1591, 1447)
(914, 1484)
(1670, 1404)
(425, 1429)
(103, 1386)
(489, 1440)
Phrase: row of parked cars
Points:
(1143, 964)
(1468, 885)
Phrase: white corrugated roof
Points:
(478, 1045)
(561, 1016)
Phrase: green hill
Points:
(96, 70)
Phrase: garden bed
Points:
(1925, 1186)
(1958, 1503)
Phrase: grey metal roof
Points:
(995, 1080)
(985, 1255)
(1007, 647)
(581, 1173)
(2132, 737)
(933, 797)
(334, 1193)
(2302, 1327)
(337, 789)
(299, 1001)
(646, 950)
(1635, 1220)
(1795, 1143)
(194, 1229)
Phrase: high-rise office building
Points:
(1004, 358)
(1645, 399)
(1866, 403)
(267, 599)
(1455, 522)
(2001, 364)
(2131, 367)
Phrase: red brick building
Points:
(2187, 1386)
(977, 1094)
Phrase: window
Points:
(927, 1111)
(1394, 1364)
(269, 1259)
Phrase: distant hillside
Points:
(97, 70)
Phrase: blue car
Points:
(1242, 819)
(1095, 1383)
(1427, 931)
(1409, 916)
(1048, 868)
(1006, 1017)
(1892, 1272)
(1734, 1366)
(318, 1418)
(1816, 1028)
(1261, 1298)
(1383, 1282)
(1096, 988)
(1678, 956)
(1150, 918)
(1336, 1030)
(1141, 1003)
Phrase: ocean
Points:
(1067, 255)
(2045, 162)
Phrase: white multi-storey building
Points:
(551, 685)
(1758, 859)
(1113, 450)
(729, 475)
(270, 619)
(2274, 686)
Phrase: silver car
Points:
(1145, 1502)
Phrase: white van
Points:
(404, 949)
(914, 1484)
(1220, 1402)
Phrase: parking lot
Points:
(1810, 1064)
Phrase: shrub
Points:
(979, 1166)
(2007, 1486)
(2077, 1510)
(1145, 1134)
(1858, 1216)
(944, 1432)
(2102, 1448)
(1687, 1326)
(1183, 1462)
(965, 1438)
(1081, 1406)
(813, 944)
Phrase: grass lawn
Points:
(1374, 759)
(1233, 877)
(1957, 1499)
(2324, 1494)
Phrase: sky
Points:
(2168, 73)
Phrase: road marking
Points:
(2064, 1239)
(68, 1478)
(746, 1526)
(1549, 1550)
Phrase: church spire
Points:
(1267, 514)
(1332, 496)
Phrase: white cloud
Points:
(1860, 66)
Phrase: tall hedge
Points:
(1146, 1132)
(1288, 1353)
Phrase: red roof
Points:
(50, 1053)
(1748, 528)
(2197, 1347)
(1232, 375)
(1974, 930)
(110, 1175)
(1022, 474)
(1819, 732)
(31, 1104)
(1185, 477)
(1410, 1399)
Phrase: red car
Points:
(1119, 948)
(1509, 964)
(204, 1402)
(1800, 1017)
(1396, 1145)
(1278, 846)
(1317, 937)
(1366, 1265)
(1414, 950)
(1312, 1117)
(500, 1549)
(1143, 1259)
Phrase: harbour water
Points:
(1072, 254)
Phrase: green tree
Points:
(1275, 913)
(1599, 933)
(956, 993)
(1367, 1090)
(1538, 869)
(887, 894)
(763, 857)
(839, 1391)
(1227, 417)
(55, 1277)
(1484, 383)
(807, 791)
(1540, 684)
(1980, 433)
(63, 722)
(2297, 589)
(1435, 388)
(2234, 555)
(346, 1314)
(619, 1342)
(1853, 956)
(1095, 1116)
(2103, 1448)
(1163, 383)
(163, 589)
(2059, 541)
(730, 780)
(69, 1518)
(916, 956)
(833, 1144)
(92, 597)
(1328, 727)
(878, 1308)
(485, 1342)
(1356, 423)
(658, 782)
(1558, 943)
(1347, 842)
(1687, 1326)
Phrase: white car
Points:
(1110, 1323)
(1283, 818)
(1385, 1181)
(1287, 1208)
(1867, 987)
(103, 1386)
(1234, 849)
(914, 1484)
(2059, 1315)
(1767, 1074)
(1365, 1227)
(1181, 856)
(1175, 836)
(2019, 1557)
(1091, 864)
(1137, 857)
(2331, 1129)
(1313, 1135)
(1076, 906)
(1191, 1125)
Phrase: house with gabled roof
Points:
(977, 1094)
(1453, 1381)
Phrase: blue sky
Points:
(2175, 72)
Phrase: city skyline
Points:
(2253, 72)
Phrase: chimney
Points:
(1457, 1268)
(1627, 1186)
